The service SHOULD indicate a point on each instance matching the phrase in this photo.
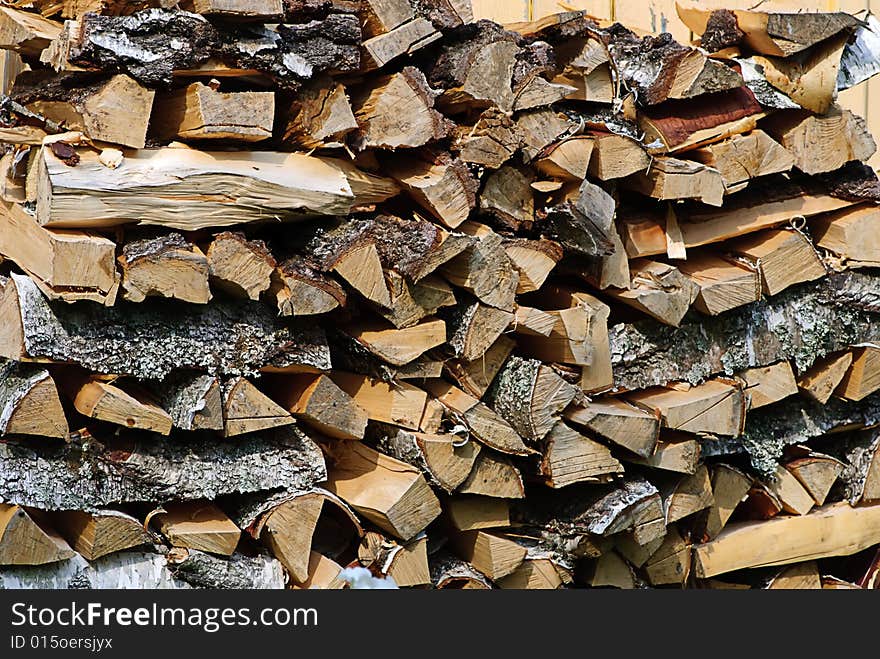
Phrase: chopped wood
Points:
(400, 404)
(744, 157)
(801, 576)
(264, 10)
(534, 260)
(400, 346)
(686, 495)
(490, 142)
(121, 404)
(660, 290)
(406, 565)
(724, 283)
(323, 574)
(508, 197)
(483, 268)
(717, 407)
(320, 403)
(619, 422)
(729, 487)
(167, 266)
(474, 327)
(862, 378)
(201, 112)
(816, 473)
(472, 513)
(27, 539)
(100, 533)
(676, 453)
(194, 401)
(299, 290)
(833, 530)
(246, 409)
(493, 555)
(445, 460)
(198, 525)
(30, 402)
(568, 160)
(445, 189)
(25, 32)
(774, 254)
(769, 384)
(321, 116)
(287, 530)
(391, 494)
(402, 40)
(860, 479)
(671, 178)
(616, 156)
(494, 475)
(240, 266)
(448, 571)
(794, 497)
(570, 457)
(610, 570)
(475, 377)
(848, 235)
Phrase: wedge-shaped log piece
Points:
(490, 142)
(729, 487)
(198, 525)
(165, 266)
(570, 457)
(391, 494)
(183, 187)
(483, 423)
(530, 396)
(800, 576)
(30, 402)
(246, 409)
(402, 40)
(62, 260)
(400, 404)
(822, 379)
(300, 290)
(686, 495)
(618, 421)
(484, 269)
(446, 190)
(494, 475)
(616, 156)
(445, 460)
(323, 574)
(508, 197)
(671, 179)
(612, 571)
(89, 476)
(448, 571)
(850, 235)
(783, 257)
(264, 10)
(822, 143)
(769, 384)
(236, 572)
(406, 565)
(725, 284)
(399, 346)
(843, 306)
(321, 116)
(26, 538)
(240, 266)
(816, 473)
(834, 530)
(123, 404)
(671, 563)
(716, 407)
(472, 513)
(568, 160)
(150, 344)
(475, 377)
(534, 260)
(493, 555)
(413, 302)
(403, 95)
(115, 109)
(794, 497)
(26, 33)
(861, 475)
(676, 452)
(863, 376)
(744, 157)
(318, 402)
(194, 401)
(100, 533)
(201, 112)
(660, 290)
(534, 574)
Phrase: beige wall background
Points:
(657, 16)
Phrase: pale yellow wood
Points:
(26, 538)
(769, 384)
(823, 377)
(247, 409)
(97, 534)
(493, 555)
(534, 574)
(715, 407)
(198, 525)
(400, 404)
(472, 513)
(863, 376)
(794, 496)
(801, 576)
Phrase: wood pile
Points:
(290, 286)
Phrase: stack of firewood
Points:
(293, 286)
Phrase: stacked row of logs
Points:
(294, 286)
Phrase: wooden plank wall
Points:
(655, 16)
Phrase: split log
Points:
(399, 346)
(659, 290)
(240, 266)
(445, 189)
(300, 290)
(447, 571)
(494, 475)
(671, 179)
(89, 476)
(323, 574)
(568, 160)
(199, 525)
(685, 495)
(610, 570)
(406, 565)
(793, 496)
(769, 384)
(817, 473)
(473, 328)
(483, 423)
(570, 457)
(30, 402)
(399, 404)
(745, 157)
(508, 197)
(167, 266)
(569, 340)
(100, 533)
(534, 574)
(541, 129)
(671, 563)
(717, 407)
(800, 576)
(724, 284)
(534, 260)
(26, 33)
(472, 513)
(617, 156)
(246, 409)
(320, 117)
(404, 39)
(493, 555)
(676, 453)
(123, 404)
(582, 223)
(862, 378)
(644, 354)
(475, 377)
(860, 479)
(239, 10)
(530, 396)
(490, 142)
(822, 143)
(27, 539)
(115, 109)
(183, 184)
(622, 423)
(61, 260)
(413, 302)
(835, 530)
(318, 402)
(783, 257)
(149, 344)
(848, 235)
(389, 99)
(484, 269)
(193, 401)
(729, 488)
(202, 112)
(391, 494)
(445, 460)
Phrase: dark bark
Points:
(238, 572)
(582, 227)
(88, 475)
(802, 324)
(722, 31)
